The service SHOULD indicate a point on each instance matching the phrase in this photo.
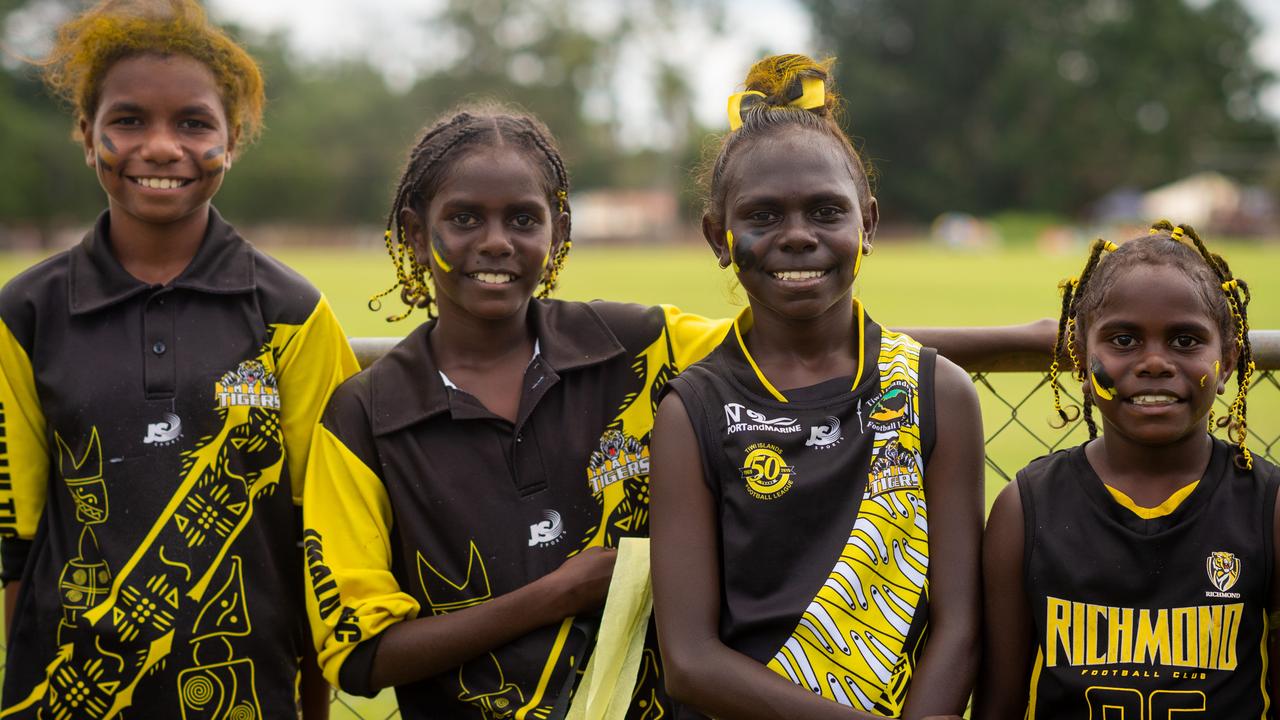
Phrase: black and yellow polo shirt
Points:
(419, 500)
(153, 441)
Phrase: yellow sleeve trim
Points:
(693, 336)
(312, 359)
(1165, 508)
(24, 445)
(351, 593)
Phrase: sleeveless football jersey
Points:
(1148, 619)
(822, 519)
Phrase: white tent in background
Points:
(1213, 202)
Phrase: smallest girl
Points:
(1134, 572)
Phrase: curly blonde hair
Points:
(90, 43)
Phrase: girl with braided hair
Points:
(1134, 574)
(471, 486)
(469, 489)
(798, 570)
(159, 385)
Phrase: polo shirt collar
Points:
(223, 264)
(407, 386)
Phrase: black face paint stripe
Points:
(744, 253)
(212, 153)
(106, 143)
(1104, 386)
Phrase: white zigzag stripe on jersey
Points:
(853, 633)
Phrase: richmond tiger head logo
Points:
(1223, 569)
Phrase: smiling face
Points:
(488, 234)
(1156, 357)
(793, 224)
(158, 139)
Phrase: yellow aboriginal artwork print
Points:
(481, 681)
(618, 472)
(85, 579)
(851, 644)
(180, 597)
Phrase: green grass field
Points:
(903, 285)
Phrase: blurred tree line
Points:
(1047, 105)
(1040, 105)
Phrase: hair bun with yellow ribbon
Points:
(785, 81)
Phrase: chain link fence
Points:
(1017, 413)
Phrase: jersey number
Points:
(1107, 703)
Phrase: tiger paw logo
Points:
(620, 457)
(890, 410)
(1224, 571)
(250, 384)
(768, 476)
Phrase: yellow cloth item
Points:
(606, 688)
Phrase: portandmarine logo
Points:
(768, 476)
(756, 421)
(1224, 571)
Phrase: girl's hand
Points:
(582, 582)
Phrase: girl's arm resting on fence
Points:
(1004, 682)
(701, 671)
(944, 677)
(977, 348)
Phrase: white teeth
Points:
(799, 274)
(1160, 399)
(159, 183)
(493, 278)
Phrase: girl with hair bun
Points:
(161, 381)
(815, 532)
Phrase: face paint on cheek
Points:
(728, 239)
(1203, 378)
(214, 160)
(742, 250)
(107, 153)
(1103, 386)
(437, 252)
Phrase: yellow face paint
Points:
(857, 260)
(107, 154)
(1203, 378)
(1103, 386)
(214, 160)
(436, 242)
(728, 238)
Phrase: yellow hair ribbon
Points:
(1230, 285)
(1177, 234)
(1109, 246)
(736, 101)
(812, 94)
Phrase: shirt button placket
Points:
(159, 359)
